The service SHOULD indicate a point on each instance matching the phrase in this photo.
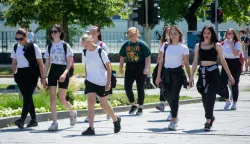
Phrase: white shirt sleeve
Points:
(104, 57)
(69, 51)
(38, 52)
(238, 46)
(46, 55)
(13, 54)
(185, 50)
(83, 58)
(105, 47)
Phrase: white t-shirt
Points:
(227, 49)
(174, 55)
(57, 54)
(22, 62)
(96, 72)
(104, 46)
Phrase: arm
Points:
(147, 61)
(121, 64)
(187, 66)
(194, 66)
(160, 64)
(69, 64)
(14, 66)
(41, 68)
(234, 51)
(107, 65)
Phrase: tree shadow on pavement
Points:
(160, 111)
(96, 135)
(218, 110)
(16, 130)
(155, 121)
(160, 130)
(128, 115)
(198, 131)
(47, 131)
(80, 122)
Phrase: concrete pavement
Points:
(230, 127)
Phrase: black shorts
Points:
(93, 88)
(54, 75)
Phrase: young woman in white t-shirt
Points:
(95, 32)
(173, 76)
(97, 82)
(164, 40)
(26, 64)
(231, 50)
(58, 75)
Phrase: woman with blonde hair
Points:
(138, 56)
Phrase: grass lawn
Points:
(4, 86)
(246, 90)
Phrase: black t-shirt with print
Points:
(135, 52)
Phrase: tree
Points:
(173, 11)
(66, 12)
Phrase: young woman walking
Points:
(208, 84)
(173, 76)
(98, 82)
(27, 66)
(59, 55)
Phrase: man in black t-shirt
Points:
(245, 39)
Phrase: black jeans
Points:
(208, 85)
(173, 81)
(26, 80)
(235, 69)
(134, 72)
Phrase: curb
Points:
(7, 121)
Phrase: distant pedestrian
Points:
(31, 36)
(171, 75)
(97, 82)
(231, 50)
(208, 84)
(138, 56)
(58, 57)
(27, 66)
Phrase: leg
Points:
(53, 109)
(210, 101)
(63, 101)
(140, 82)
(129, 80)
(105, 106)
(91, 108)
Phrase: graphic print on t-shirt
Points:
(132, 55)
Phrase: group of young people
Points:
(27, 67)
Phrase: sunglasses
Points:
(19, 39)
(53, 31)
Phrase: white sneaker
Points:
(108, 117)
(86, 119)
(227, 105)
(53, 127)
(171, 126)
(233, 106)
(169, 117)
(160, 107)
(73, 118)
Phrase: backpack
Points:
(30, 55)
(113, 73)
(71, 70)
(155, 71)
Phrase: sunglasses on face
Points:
(19, 39)
(53, 31)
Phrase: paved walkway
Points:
(229, 127)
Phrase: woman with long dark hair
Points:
(207, 51)
(173, 76)
(59, 55)
(231, 50)
(27, 66)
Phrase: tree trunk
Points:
(65, 26)
(191, 21)
(191, 17)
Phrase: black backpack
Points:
(155, 71)
(71, 71)
(30, 55)
(113, 73)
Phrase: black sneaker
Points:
(19, 123)
(33, 123)
(207, 126)
(133, 109)
(117, 125)
(139, 112)
(212, 120)
(89, 131)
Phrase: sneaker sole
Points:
(139, 113)
(32, 126)
(132, 112)
(162, 110)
